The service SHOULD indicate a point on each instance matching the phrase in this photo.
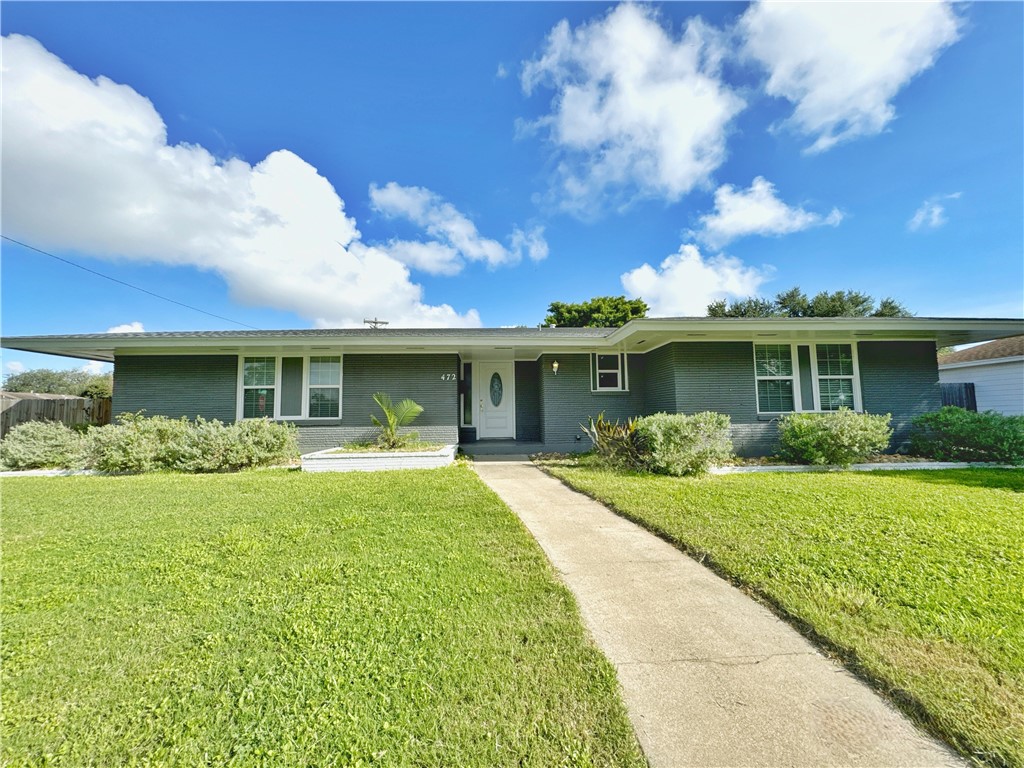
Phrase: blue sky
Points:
(301, 165)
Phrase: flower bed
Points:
(333, 460)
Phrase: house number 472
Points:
(447, 377)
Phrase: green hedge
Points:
(955, 434)
(43, 445)
(840, 438)
(138, 444)
(664, 443)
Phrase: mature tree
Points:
(889, 307)
(599, 312)
(50, 382)
(750, 307)
(794, 303)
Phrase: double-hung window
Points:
(324, 387)
(608, 373)
(835, 376)
(259, 387)
(290, 387)
(773, 366)
(806, 377)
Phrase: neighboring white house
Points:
(997, 371)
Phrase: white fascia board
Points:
(983, 362)
(106, 349)
(944, 331)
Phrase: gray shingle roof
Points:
(1011, 347)
(377, 333)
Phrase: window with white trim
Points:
(608, 373)
(259, 387)
(835, 376)
(324, 387)
(773, 367)
(806, 377)
(290, 387)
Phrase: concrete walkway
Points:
(710, 677)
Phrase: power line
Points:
(128, 285)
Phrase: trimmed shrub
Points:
(42, 445)
(840, 438)
(138, 444)
(956, 434)
(133, 443)
(260, 443)
(677, 444)
(614, 442)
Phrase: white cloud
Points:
(531, 243)
(686, 282)
(133, 327)
(457, 236)
(96, 367)
(502, 72)
(841, 64)
(15, 367)
(931, 214)
(756, 211)
(635, 108)
(86, 166)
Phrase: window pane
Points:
(836, 394)
(258, 403)
(773, 360)
(325, 371)
(775, 396)
(259, 371)
(323, 403)
(608, 380)
(607, 362)
(835, 360)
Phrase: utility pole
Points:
(375, 323)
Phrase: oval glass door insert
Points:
(496, 390)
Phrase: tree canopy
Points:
(795, 303)
(50, 382)
(599, 312)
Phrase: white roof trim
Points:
(983, 361)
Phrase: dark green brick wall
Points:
(712, 376)
(177, 385)
(402, 376)
(206, 385)
(660, 381)
(566, 399)
(901, 378)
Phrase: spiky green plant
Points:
(401, 415)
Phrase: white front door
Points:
(496, 400)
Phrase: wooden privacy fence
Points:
(961, 395)
(17, 408)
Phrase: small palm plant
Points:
(395, 416)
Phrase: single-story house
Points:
(997, 371)
(535, 385)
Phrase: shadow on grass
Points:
(978, 477)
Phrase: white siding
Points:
(998, 386)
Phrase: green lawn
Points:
(283, 618)
(915, 578)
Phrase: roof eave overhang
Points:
(636, 336)
(943, 331)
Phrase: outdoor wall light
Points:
(554, 366)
